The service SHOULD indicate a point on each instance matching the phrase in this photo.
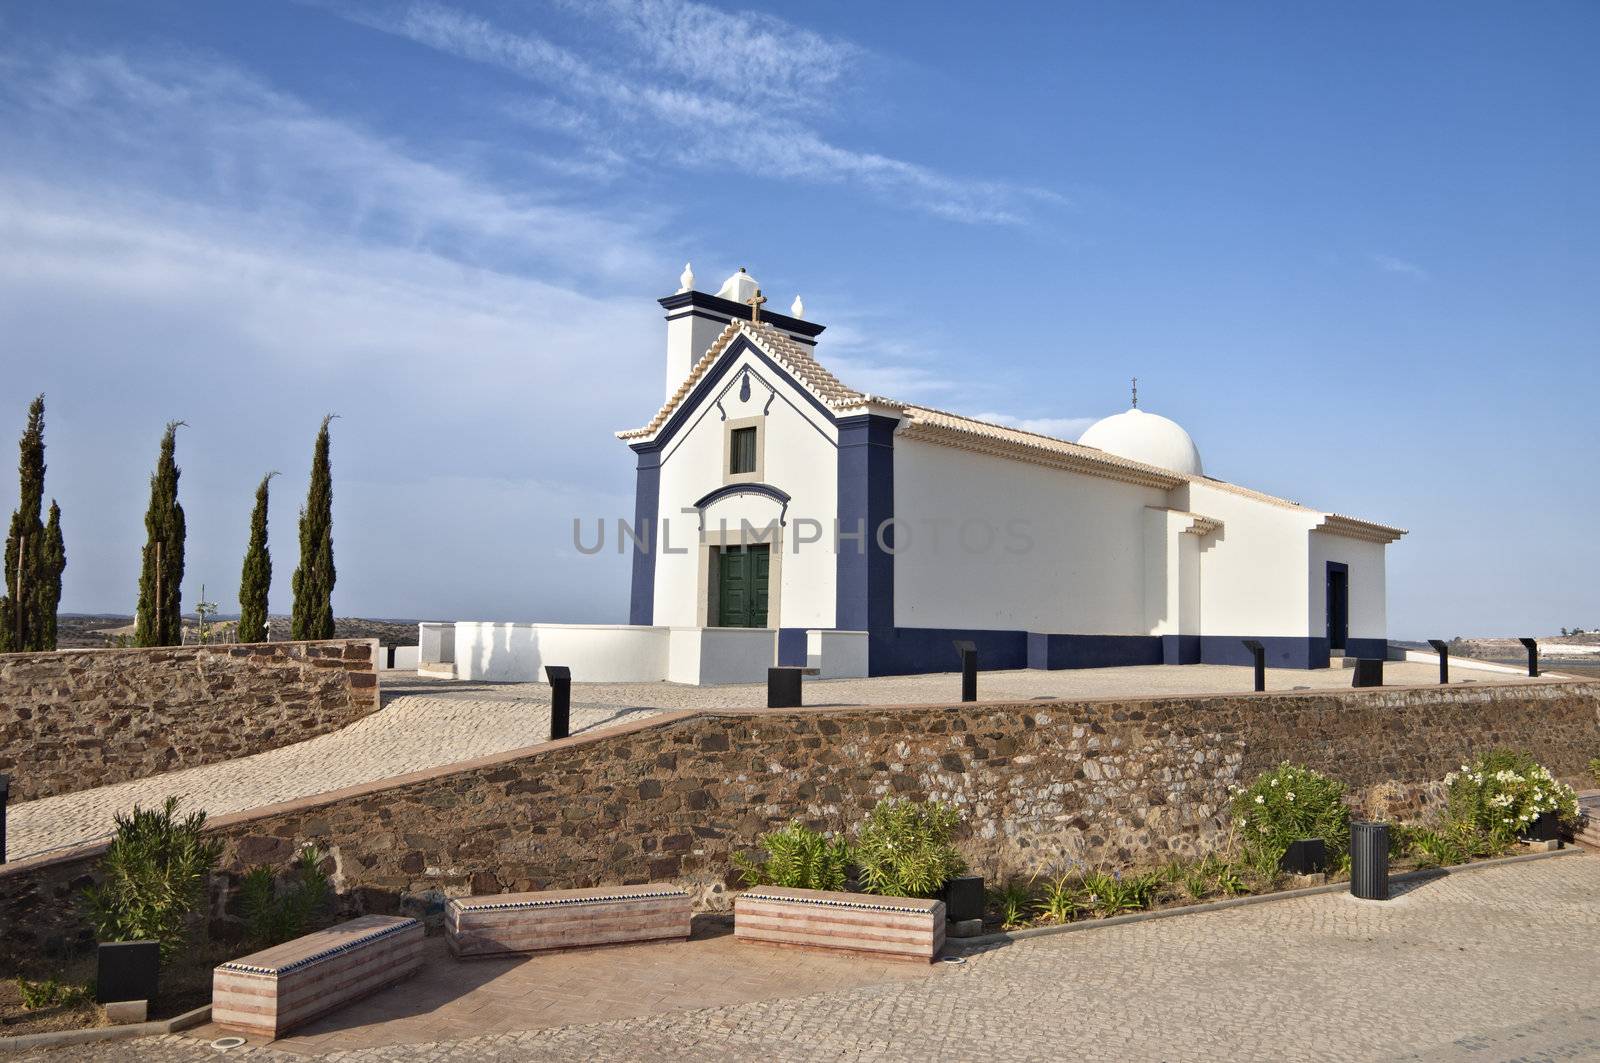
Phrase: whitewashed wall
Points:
(1252, 572)
(596, 653)
(1368, 608)
(1171, 573)
(1084, 572)
(800, 458)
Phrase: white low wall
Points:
(837, 654)
(436, 643)
(596, 653)
(405, 658)
(705, 656)
(614, 653)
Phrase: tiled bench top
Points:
(562, 919)
(271, 991)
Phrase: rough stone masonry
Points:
(1120, 782)
(76, 719)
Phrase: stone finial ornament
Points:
(797, 308)
(686, 278)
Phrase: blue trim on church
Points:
(1283, 651)
(765, 490)
(792, 647)
(1092, 651)
(646, 508)
(1370, 649)
(864, 569)
(708, 383)
(1180, 649)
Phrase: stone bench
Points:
(565, 919)
(900, 928)
(272, 991)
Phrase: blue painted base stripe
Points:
(1368, 648)
(1283, 651)
(792, 647)
(913, 651)
(1092, 651)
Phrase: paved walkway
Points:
(429, 723)
(411, 732)
(1488, 966)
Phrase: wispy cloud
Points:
(208, 132)
(679, 82)
(1068, 428)
(744, 54)
(178, 239)
(1391, 264)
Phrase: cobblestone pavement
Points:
(428, 723)
(410, 733)
(1491, 965)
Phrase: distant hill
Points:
(97, 630)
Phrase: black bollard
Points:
(1259, 652)
(1369, 861)
(968, 652)
(1369, 672)
(1304, 857)
(783, 687)
(5, 795)
(1442, 648)
(560, 700)
(1532, 646)
(963, 898)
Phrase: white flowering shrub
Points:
(1287, 804)
(1501, 793)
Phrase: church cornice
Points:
(727, 309)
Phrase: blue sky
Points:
(1352, 248)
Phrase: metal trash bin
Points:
(1369, 861)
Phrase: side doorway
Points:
(1338, 606)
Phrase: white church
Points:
(783, 516)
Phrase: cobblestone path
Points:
(1489, 966)
(414, 730)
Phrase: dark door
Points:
(1338, 605)
(742, 586)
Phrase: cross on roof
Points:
(756, 302)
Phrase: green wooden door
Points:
(742, 586)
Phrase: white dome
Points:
(741, 287)
(1147, 437)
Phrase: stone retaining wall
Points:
(77, 719)
(1125, 782)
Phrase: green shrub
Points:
(1501, 793)
(798, 857)
(153, 876)
(1012, 901)
(904, 849)
(1594, 769)
(1287, 804)
(273, 914)
(1063, 898)
(48, 994)
(1438, 848)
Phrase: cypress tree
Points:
(160, 618)
(256, 578)
(20, 622)
(55, 563)
(313, 580)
